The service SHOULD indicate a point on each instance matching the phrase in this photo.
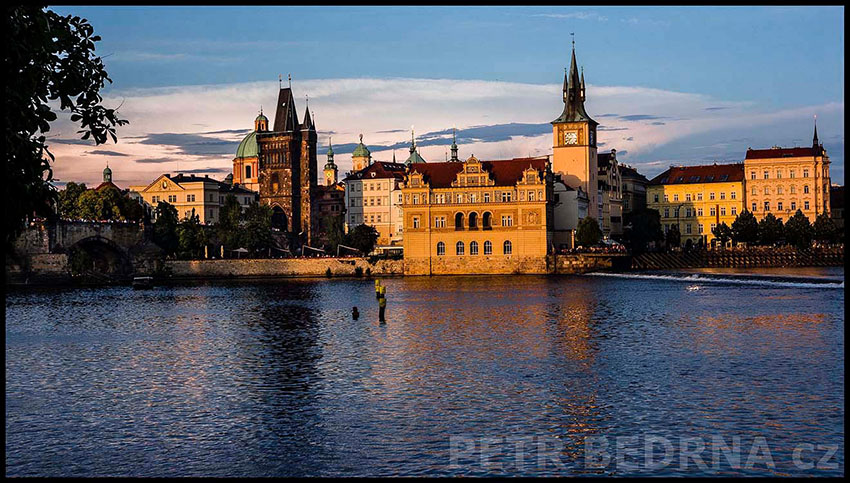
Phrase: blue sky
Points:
(770, 69)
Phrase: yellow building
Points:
(697, 198)
(193, 195)
(784, 180)
(477, 216)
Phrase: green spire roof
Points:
(361, 150)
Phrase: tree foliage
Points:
(333, 228)
(256, 234)
(770, 230)
(745, 228)
(674, 236)
(723, 233)
(165, 227)
(824, 229)
(363, 238)
(588, 232)
(48, 58)
(228, 227)
(643, 228)
(798, 230)
(191, 238)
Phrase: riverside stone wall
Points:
(283, 267)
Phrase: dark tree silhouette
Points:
(47, 59)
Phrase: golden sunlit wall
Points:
(696, 207)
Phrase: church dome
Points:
(248, 147)
(361, 150)
(261, 117)
(107, 174)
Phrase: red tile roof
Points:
(712, 173)
(502, 172)
(782, 153)
(381, 170)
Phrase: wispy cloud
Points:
(574, 15)
(494, 120)
(103, 152)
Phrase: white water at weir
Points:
(704, 278)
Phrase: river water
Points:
(705, 372)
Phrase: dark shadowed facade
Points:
(288, 169)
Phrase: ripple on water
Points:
(276, 379)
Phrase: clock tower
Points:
(574, 134)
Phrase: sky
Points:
(668, 85)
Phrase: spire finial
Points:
(280, 80)
(261, 109)
(361, 138)
(290, 80)
(573, 34)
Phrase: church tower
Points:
(330, 167)
(574, 134)
(361, 158)
(288, 168)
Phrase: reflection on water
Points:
(277, 379)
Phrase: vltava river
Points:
(469, 376)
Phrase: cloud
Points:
(205, 170)
(103, 152)
(640, 117)
(494, 120)
(575, 15)
(192, 143)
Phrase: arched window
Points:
(473, 221)
(485, 222)
(488, 248)
(248, 172)
(506, 247)
(459, 248)
(441, 249)
(473, 248)
(459, 221)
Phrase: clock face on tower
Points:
(570, 137)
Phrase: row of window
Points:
(690, 212)
(791, 173)
(460, 248)
(780, 189)
(190, 198)
(503, 196)
(698, 197)
(780, 206)
(440, 221)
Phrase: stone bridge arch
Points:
(97, 255)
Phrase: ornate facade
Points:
(478, 216)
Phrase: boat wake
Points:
(764, 281)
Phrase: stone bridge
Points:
(60, 250)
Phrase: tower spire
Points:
(815, 138)
(412, 140)
(454, 144)
(290, 80)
